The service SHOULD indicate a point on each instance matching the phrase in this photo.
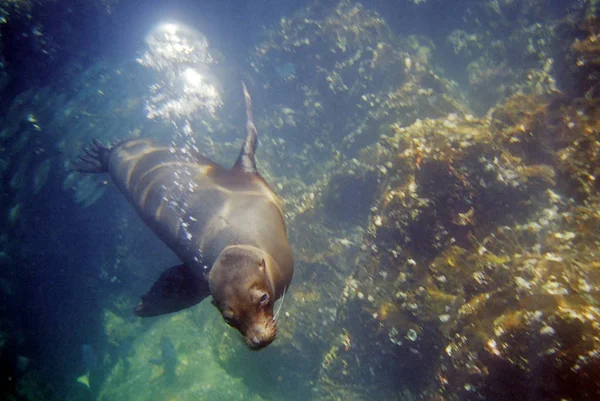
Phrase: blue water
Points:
(387, 129)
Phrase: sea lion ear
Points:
(262, 266)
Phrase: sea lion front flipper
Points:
(177, 288)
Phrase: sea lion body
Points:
(226, 225)
(198, 207)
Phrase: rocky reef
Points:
(480, 268)
(332, 80)
(479, 256)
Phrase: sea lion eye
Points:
(232, 321)
(264, 299)
(229, 317)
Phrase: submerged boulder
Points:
(476, 272)
(141, 373)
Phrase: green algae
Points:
(198, 375)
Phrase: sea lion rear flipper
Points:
(94, 158)
(177, 288)
(245, 161)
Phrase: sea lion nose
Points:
(260, 337)
(257, 343)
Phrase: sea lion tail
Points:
(245, 161)
(94, 158)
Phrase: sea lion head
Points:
(243, 291)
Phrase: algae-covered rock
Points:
(534, 324)
(198, 373)
(556, 131)
(438, 183)
(510, 47)
(118, 329)
(335, 75)
(471, 252)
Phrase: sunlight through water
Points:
(180, 58)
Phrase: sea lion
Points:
(226, 225)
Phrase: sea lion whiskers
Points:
(279, 307)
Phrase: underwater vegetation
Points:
(441, 195)
(479, 269)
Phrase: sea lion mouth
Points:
(258, 344)
(261, 335)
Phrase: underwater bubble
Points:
(182, 64)
(412, 335)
